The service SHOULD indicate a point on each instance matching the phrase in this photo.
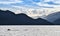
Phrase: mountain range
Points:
(54, 18)
(9, 18)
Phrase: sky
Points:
(30, 3)
(25, 4)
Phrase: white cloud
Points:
(49, 5)
(55, 1)
(39, 3)
(10, 2)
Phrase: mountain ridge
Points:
(9, 18)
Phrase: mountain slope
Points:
(8, 17)
(52, 17)
(57, 21)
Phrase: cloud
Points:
(49, 3)
(39, 3)
(54, 1)
(10, 1)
